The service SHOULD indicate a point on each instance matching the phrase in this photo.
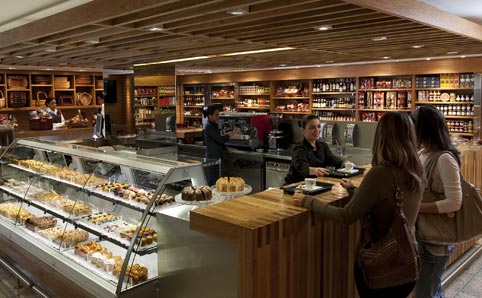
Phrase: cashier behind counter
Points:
(311, 156)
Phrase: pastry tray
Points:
(342, 173)
(319, 188)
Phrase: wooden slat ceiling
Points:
(202, 27)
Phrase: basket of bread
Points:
(78, 121)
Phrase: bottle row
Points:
(254, 90)
(461, 126)
(334, 103)
(456, 110)
(145, 101)
(323, 115)
(255, 102)
(194, 100)
(334, 85)
(388, 100)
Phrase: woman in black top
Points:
(311, 157)
(214, 141)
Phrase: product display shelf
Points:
(31, 179)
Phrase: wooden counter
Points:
(189, 133)
(60, 134)
(287, 251)
(283, 250)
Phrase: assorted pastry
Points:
(41, 223)
(230, 184)
(14, 211)
(146, 235)
(132, 193)
(103, 259)
(100, 218)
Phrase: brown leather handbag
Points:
(393, 260)
(454, 227)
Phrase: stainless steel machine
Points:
(252, 128)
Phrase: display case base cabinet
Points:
(193, 264)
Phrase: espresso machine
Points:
(252, 128)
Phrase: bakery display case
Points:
(91, 214)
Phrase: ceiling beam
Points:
(424, 14)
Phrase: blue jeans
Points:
(429, 283)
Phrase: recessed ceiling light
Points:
(418, 46)
(240, 11)
(386, 57)
(81, 69)
(51, 49)
(19, 56)
(428, 59)
(452, 53)
(11, 67)
(49, 68)
(379, 38)
(283, 65)
(93, 41)
(323, 27)
(329, 61)
(156, 28)
(463, 56)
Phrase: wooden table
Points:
(284, 250)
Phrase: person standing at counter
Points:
(55, 113)
(394, 163)
(214, 141)
(311, 157)
(433, 136)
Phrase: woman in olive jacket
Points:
(394, 163)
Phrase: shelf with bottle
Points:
(145, 91)
(336, 115)
(294, 105)
(341, 102)
(254, 89)
(254, 103)
(145, 101)
(334, 86)
(168, 90)
(385, 100)
(371, 116)
(461, 126)
(456, 110)
(447, 81)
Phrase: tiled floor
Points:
(466, 285)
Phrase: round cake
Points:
(196, 193)
(230, 184)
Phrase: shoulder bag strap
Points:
(429, 167)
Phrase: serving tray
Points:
(342, 173)
(319, 188)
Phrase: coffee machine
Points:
(275, 140)
(252, 128)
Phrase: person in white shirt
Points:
(55, 113)
(432, 137)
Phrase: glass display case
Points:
(89, 212)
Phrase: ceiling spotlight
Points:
(379, 38)
(428, 59)
(49, 68)
(463, 56)
(329, 61)
(418, 46)
(11, 67)
(323, 27)
(283, 65)
(19, 56)
(240, 11)
(386, 57)
(93, 41)
(156, 28)
(452, 53)
(51, 49)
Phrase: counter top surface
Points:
(256, 210)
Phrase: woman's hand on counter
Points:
(346, 183)
(297, 198)
(319, 172)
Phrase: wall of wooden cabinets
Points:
(347, 93)
(23, 91)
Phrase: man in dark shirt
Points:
(311, 157)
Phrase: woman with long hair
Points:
(394, 164)
(433, 139)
